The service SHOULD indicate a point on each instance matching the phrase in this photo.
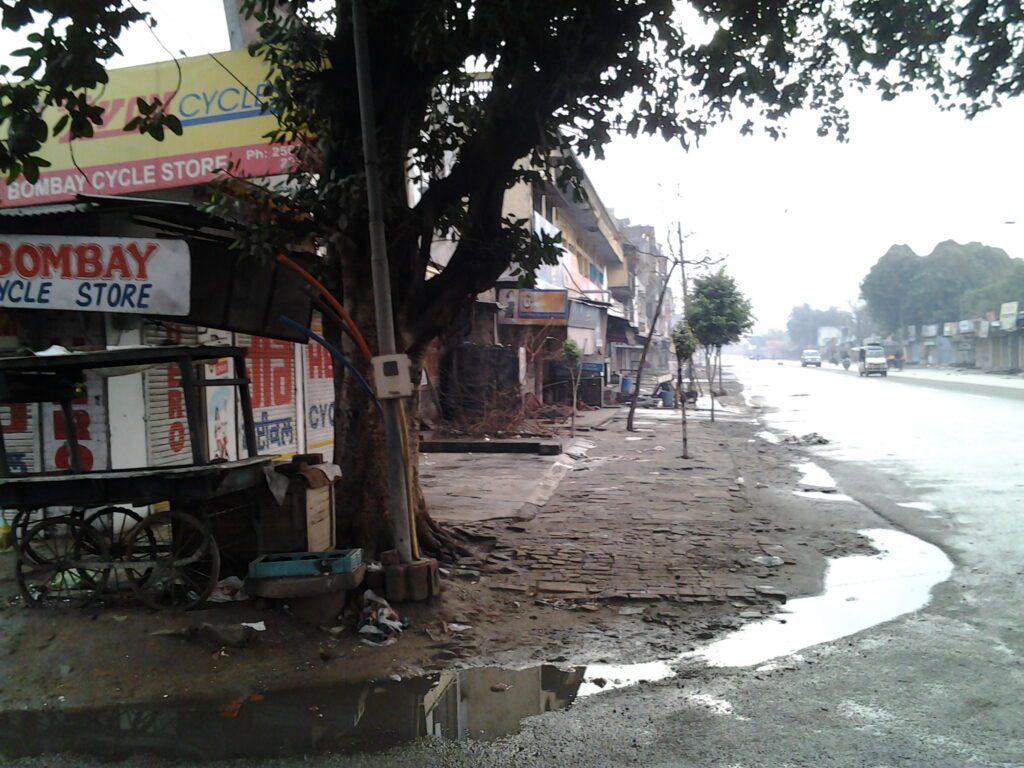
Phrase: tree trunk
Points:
(361, 514)
(721, 386)
(682, 407)
(575, 389)
(711, 379)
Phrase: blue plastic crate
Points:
(305, 563)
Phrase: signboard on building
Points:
(218, 101)
(911, 332)
(95, 274)
(521, 306)
(318, 386)
(966, 326)
(983, 328)
(949, 329)
(927, 331)
(271, 366)
(827, 333)
(1008, 316)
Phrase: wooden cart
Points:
(100, 543)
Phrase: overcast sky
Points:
(801, 219)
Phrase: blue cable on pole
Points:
(333, 352)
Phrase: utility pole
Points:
(647, 345)
(241, 31)
(398, 496)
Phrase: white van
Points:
(810, 357)
(872, 360)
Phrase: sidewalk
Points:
(1008, 380)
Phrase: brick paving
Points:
(633, 521)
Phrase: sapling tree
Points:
(719, 314)
(684, 343)
(573, 360)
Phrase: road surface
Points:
(943, 686)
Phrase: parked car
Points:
(810, 357)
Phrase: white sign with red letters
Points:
(95, 274)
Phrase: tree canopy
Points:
(684, 343)
(953, 282)
(804, 322)
(719, 313)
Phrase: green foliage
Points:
(683, 341)
(804, 322)
(719, 313)
(951, 283)
(989, 297)
(65, 56)
(465, 91)
(571, 355)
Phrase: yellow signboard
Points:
(521, 306)
(219, 103)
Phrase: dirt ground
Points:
(638, 555)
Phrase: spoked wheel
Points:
(185, 563)
(73, 568)
(20, 526)
(115, 526)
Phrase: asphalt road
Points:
(943, 686)
(939, 686)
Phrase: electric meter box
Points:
(392, 376)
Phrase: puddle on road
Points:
(607, 677)
(861, 591)
(924, 506)
(824, 495)
(814, 476)
(481, 703)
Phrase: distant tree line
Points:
(953, 282)
(804, 322)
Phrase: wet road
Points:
(940, 472)
(942, 686)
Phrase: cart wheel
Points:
(74, 568)
(185, 565)
(20, 526)
(115, 525)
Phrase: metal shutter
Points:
(21, 437)
(271, 365)
(318, 385)
(166, 425)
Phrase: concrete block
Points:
(419, 580)
(395, 584)
(390, 557)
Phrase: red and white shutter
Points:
(318, 386)
(20, 423)
(272, 383)
(166, 423)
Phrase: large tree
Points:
(904, 289)
(466, 89)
